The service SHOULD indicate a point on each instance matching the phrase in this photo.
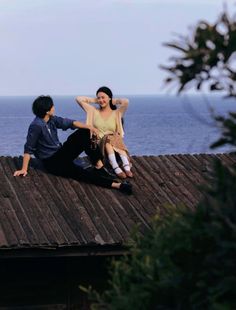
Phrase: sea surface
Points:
(154, 125)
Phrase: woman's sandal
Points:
(121, 174)
(128, 173)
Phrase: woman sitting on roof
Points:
(108, 120)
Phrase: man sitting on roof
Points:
(42, 142)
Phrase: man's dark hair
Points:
(42, 105)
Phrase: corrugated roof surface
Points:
(44, 211)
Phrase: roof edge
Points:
(64, 251)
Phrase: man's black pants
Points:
(61, 163)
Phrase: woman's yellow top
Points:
(105, 126)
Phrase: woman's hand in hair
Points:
(122, 102)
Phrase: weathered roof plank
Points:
(183, 175)
(8, 215)
(50, 209)
(168, 182)
(3, 240)
(63, 214)
(80, 209)
(6, 224)
(95, 216)
(143, 178)
(191, 166)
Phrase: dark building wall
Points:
(26, 283)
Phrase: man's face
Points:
(51, 112)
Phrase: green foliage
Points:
(187, 260)
(206, 57)
(228, 126)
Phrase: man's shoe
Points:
(126, 188)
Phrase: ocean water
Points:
(154, 125)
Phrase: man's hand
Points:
(93, 131)
(24, 168)
(22, 172)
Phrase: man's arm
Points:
(34, 132)
(25, 165)
(93, 130)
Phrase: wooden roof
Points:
(41, 213)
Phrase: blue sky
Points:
(70, 47)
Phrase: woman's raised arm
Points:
(85, 101)
(122, 102)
